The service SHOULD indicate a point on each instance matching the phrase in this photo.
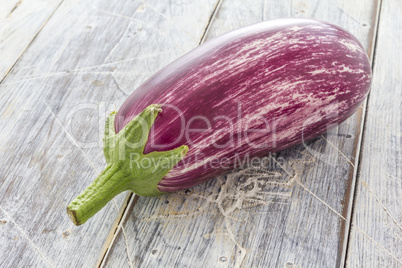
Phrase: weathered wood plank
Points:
(13, 240)
(7, 7)
(294, 212)
(376, 234)
(52, 108)
(20, 21)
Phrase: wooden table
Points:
(64, 65)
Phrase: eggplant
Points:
(255, 90)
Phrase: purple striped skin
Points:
(300, 75)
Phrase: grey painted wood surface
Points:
(293, 213)
(7, 7)
(376, 238)
(52, 108)
(20, 21)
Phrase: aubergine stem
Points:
(128, 168)
(106, 186)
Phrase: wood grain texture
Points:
(20, 21)
(293, 212)
(7, 6)
(53, 104)
(376, 237)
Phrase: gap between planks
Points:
(132, 198)
(209, 23)
(128, 203)
(15, 7)
(356, 170)
(23, 233)
(33, 38)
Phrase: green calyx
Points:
(128, 167)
